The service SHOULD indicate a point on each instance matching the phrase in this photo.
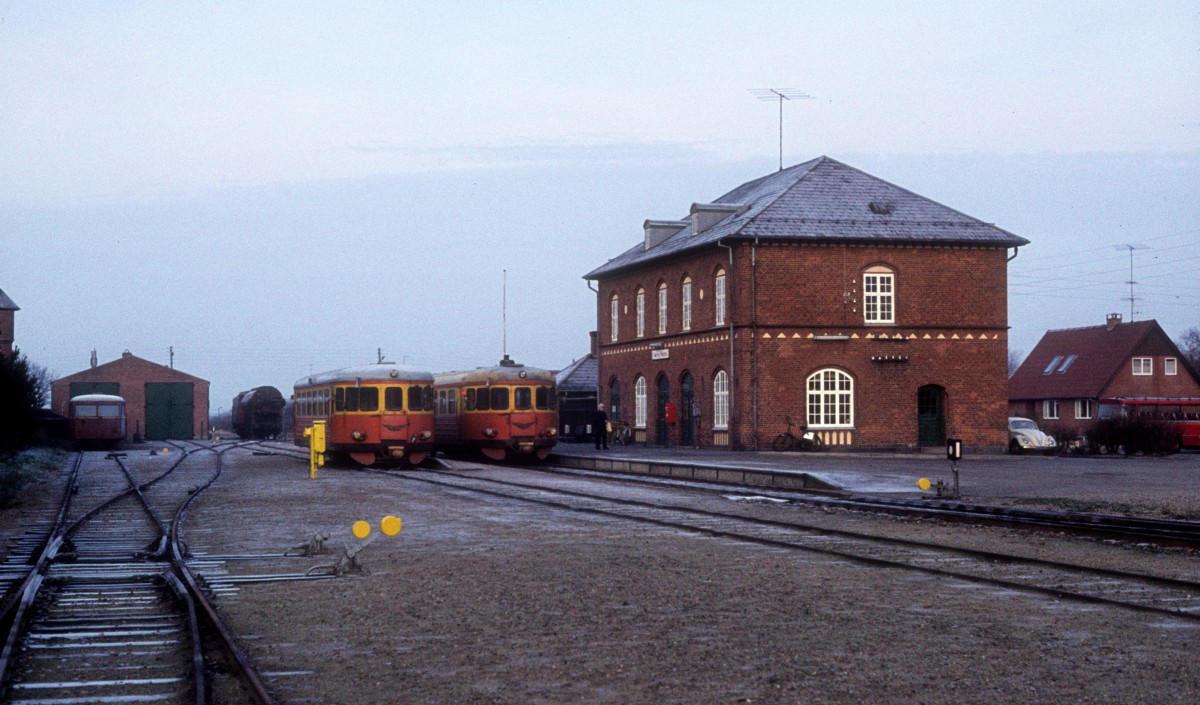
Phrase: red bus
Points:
(1181, 413)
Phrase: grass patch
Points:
(20, 470)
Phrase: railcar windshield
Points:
(545, 398)
(109, 411)
(393, 399)
(85, 411)
(523, 398)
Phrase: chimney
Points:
(93, 359)
(657, 231)
(1113, 320)
(706, 215)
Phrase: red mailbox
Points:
(670, 412)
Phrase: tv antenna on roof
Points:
(780, 94)
(1131, 282)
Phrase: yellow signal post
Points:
(316, 447)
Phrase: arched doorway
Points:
(687, 409)
(664, 398)
(931, 416)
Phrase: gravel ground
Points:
(482, 600)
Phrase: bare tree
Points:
(1189, 345)
(1015, 357)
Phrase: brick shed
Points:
(859, 310)
(160, 402)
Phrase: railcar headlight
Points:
(426, 435)
(358, 435)
(489, 432)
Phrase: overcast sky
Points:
(274, 189)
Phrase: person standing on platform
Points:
(600, 427)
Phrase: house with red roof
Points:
(1063, 380)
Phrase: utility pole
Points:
(781, 94)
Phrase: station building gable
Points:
(819, 296)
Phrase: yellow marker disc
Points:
(390, 526)
(361, 529)
(923, 483)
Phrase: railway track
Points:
(1179, 599)
(103, 607)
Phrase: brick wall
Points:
(950, 332)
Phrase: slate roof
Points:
(1101, 354)
(7, 304)
(823, 200)
(580, 376)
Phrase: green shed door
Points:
(168, 410)
(81, 388)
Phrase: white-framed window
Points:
(1170, 366)
(641, 312)
(615, 318)
(719, 287)
(639, 402)
(830, 399)
(721, 401)
(1143, 366)
(1084, 408)
(662, 309)
(879, 295)
(1050, 409)
(685, 303)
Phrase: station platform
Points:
(1092, 483)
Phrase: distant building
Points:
(1069, 371)
(160, 402)
(817, 294)
(8, 311)
(576, 387)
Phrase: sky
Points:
(272, 189)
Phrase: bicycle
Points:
(787, 440)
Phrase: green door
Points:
(168, 410)
(81, 388)
(931, 416)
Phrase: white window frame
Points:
(879, 296)
(829, 399)
(641, 312)
(662, 309)
(1050, 409)
(616, 317)
(686, 303)
(1170, 366)
(1084, 408)
(720, 297)
(1143, 366)
(639, 402)
(721, 401)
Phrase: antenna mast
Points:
(782, 94)
(504, 316)
(1131, 282)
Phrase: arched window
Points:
(830, 399)
(614, 400)
(685, 303)
(641, 312)
(879, 295)
(721, 401)
(662, 309)
(639, 402)
(720, 296)
(615, 319)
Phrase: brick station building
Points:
(820, 294)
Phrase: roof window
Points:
(1053, 363)
(1066, 363)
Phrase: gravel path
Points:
(481, 600)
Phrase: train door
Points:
(687, 417)
(931, 416)
(664, 398)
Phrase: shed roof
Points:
(580, 376)
(129, 362)
(822, 200)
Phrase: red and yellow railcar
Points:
(506, 410)
(375, 414)
(97, 419)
